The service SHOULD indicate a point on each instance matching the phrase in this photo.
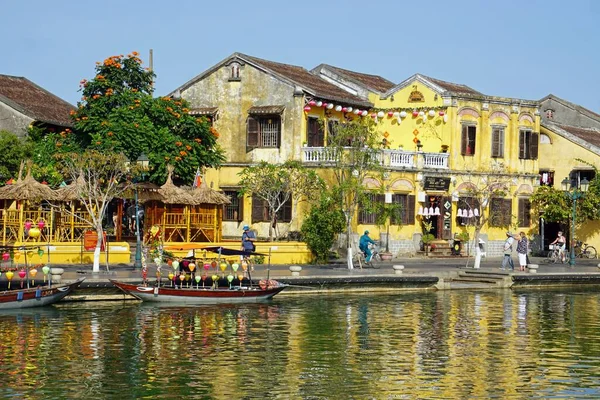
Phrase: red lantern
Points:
(312, 103)
(41, 224)
(22, 274)
(307, 108)
(415, 113)
(373, 115)
(28, 225)
(390, 114)
(344, 109)
(442, 113)
(6, 256)
(324, 104)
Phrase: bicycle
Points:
(582, 250)
(554, 255)
(361, 257)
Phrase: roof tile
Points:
(36, 102)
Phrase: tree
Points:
(481, 188)
(100, 177)
(118, 114)
(277, 184)
(354, 151)
(14, 150)
(324, 221)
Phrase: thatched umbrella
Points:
(71, 191)
(207, 195)
(27, 189)
(147, 191)
(171, 194)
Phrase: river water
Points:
(444, 345)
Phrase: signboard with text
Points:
(436, 183)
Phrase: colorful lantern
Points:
(319, 103)
(41, 224)
(357, 111)
(206, 266)
(338, 108)
(415, 113)
(240, 278)
(431, 113)
(214, 264)
(192, 267)
(364, 113)
(402, 114)
(380, 114)
(349, 109)
(344, 109)
(33, 272)
(330, 106)
(6, 256)
(229, 279)
(28, 225)
(235, 267)
(9, 276)
(312, 103)
(307, 108)
(35, 232)
(442, 113)
(390, 114)
(223, 267)
(169, 262)
(175, 264)
(45, 270)
(40, 253)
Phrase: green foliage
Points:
(324, 221)
(257, 260)
(13, 150)
(278, 183)
(552, 204)
(117, 113)
(427, 236)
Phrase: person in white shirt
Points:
(507, 260)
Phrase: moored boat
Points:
(265, 290)
(36, 297)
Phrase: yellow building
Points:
(569, 146)
(439, 139)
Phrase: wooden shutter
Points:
(258, 209)
(498, 142)
(312, 132)
(522, 144)
(472, 139)
(278, 119)
(409, 215)
(524, 212)
(287, 211)
(506, 212)
(240, 208)
(252, 132)
(535, 140)
(464, 140)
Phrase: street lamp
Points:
(142, 161)
(574, 195)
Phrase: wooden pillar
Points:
(188, 223)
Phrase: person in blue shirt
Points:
(363, 245)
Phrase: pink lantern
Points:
(5, 256)
(344, 109)
(325, 104)
(28, 225)
(442, 113)
(312, 103)
(390, 114)
(373, 115)
(415, 113)
(307, 108)
(41, 224)
(22, 274)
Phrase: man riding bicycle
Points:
(363, 245)
(561, 242)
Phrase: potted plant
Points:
(427, 236)
(444, 148)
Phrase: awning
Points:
(204, 111)
(266, 110)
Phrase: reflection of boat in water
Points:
(36, 297)
(265, 290)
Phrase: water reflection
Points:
(421, 345)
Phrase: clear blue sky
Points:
(515, 48)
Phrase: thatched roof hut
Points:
(27, 189)
(71, 191)
(172, 194)
(206, 195)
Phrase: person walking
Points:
(522, 248)
(507, 260)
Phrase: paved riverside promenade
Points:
(418, 274)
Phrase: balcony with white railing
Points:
(388, 158)
(435, 160)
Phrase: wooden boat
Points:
(36, 297)
(265, 290)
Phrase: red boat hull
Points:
(36, 297)
(198, 296)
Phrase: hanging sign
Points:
(436, 183)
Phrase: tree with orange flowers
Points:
(118, 114)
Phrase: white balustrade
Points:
(399, 158)
(435, 160)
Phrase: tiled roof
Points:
(371, 81)
(576, 107)
(33, 101)
(592, 136)
(453, 87)
(266, 110)
(310, 82)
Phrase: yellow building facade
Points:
(439, 139)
